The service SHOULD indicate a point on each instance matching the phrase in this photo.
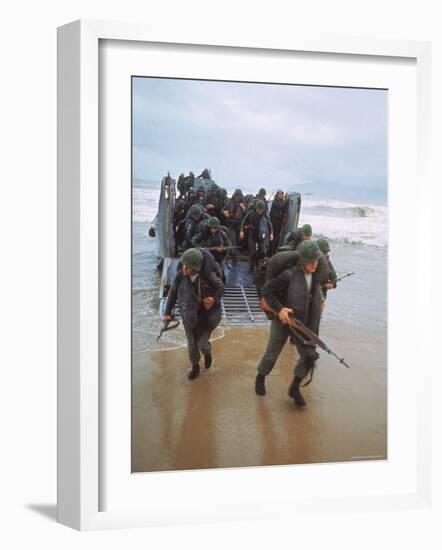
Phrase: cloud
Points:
(254, 133)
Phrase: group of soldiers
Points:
(227, 225)
(297, 279)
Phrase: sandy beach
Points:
(217, 420)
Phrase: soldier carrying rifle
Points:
(296, 291)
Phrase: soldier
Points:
(259, 233)
(195, 216)
(212, 203)
(260, 196)
(236, 206)
(278, 213)
(201, 195)
(295, 291)
(191, 199)
(199, 300)
(205, 174)
(294, 238)
(190, 180)
(214, 239)
(330, 283)
(181, 185)
(223, 198)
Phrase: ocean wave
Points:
(339, 221)
(346, 223)
(340, 212)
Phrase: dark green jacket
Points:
(289, 289)
(190, 295)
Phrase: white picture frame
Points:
(79, 265)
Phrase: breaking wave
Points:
(346, 223)
(338, 221)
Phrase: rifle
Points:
(167, 325)
(301, 331)
(343, 277)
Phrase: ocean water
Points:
(357, 233)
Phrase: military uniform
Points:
(197, 321)
(210, 240)
(294, 238)
(329, 273)
(233, 222)
(278, 215)
(296, 288)
(191, 224)
(259, 228)
(291, 287)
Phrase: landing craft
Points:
(240, 304)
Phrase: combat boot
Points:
(194, 373)
(208, 360)
(295, 393)
(260, 388)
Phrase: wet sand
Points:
(217, 420)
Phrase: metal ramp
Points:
(240, 306)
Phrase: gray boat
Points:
(240, 304)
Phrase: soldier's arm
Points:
(333, 275)
(218, 286)
(245, 220)
(173, 294)
(289, 237)
(197, 240)
(188, 230)
(273, 288)
(225, 238)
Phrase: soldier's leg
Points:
(306, 362)
(207, 322)
(232, 236)
(193, 351)
(277, 339)
(252, 250)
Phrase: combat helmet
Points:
(195, 211)
(308, 252)
(213, 222)
(262, 191)
(306, 229)
(192, 258)
(260, 204)
(324, 247)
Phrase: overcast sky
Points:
(330, 141)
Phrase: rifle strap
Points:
(311, 371)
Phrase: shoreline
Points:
(217, 420)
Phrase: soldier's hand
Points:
(242, 205)
(208, 302)
(271, 236)
(284, 315)
(220, 249)
(167, 317)
(241, 235)
(329, 285)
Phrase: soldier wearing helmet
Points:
(330, 282)
(294, 238)
(296, 291)
(194, 217)
(215, 239)
(198, 290)
(278, 213)
(259, 230)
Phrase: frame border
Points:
(78, 256)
